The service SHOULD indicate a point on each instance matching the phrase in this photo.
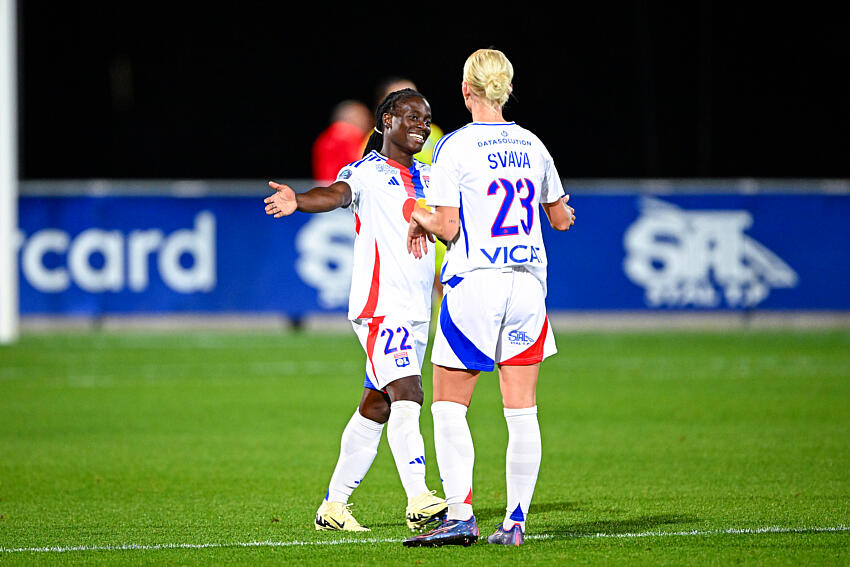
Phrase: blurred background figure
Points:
(342, 141)
(395, 83)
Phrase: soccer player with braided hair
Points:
(389, 305)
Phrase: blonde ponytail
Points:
(489, 74)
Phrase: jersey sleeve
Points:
(350, 176)
(553, 188)
(444, 189)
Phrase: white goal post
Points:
(9, 305)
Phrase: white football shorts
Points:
(493, 316)
(394, 348)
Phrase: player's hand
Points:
(571, 212)
(282, 203)
(416, 236)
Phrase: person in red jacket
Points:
(342, 141)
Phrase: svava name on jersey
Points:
(509, 159)
(519, 254)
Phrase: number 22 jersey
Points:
(497, 174)
(385, 278)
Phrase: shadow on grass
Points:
(493, 515)
(486, 516)
(647, 523)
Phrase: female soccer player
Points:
(389, 305)
(487, 180)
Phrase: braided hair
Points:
(388, 105)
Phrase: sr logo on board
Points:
(701, 258)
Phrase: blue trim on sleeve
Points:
(371, 156)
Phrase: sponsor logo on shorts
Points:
(520, 338)
(401, 359)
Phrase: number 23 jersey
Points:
(497, 174)
(385, 279)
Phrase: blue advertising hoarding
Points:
(108, 255)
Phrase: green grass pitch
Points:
(687, 448)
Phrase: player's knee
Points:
(375, 405)
(379, 412)
(406, 389)
(519, 402)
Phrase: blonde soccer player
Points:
(489, 180)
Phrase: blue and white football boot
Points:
(501, 536)
(450, 532)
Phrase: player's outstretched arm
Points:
(561, 215)
(285, 201)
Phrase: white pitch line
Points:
(161, 546)
(729, 531)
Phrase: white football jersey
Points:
(385, 278)
(497, 173)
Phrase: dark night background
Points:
(615, 89)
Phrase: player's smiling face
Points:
(409, 126)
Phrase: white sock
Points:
(357, 450)
(522, 463)
(407, 446)
(455, 457)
